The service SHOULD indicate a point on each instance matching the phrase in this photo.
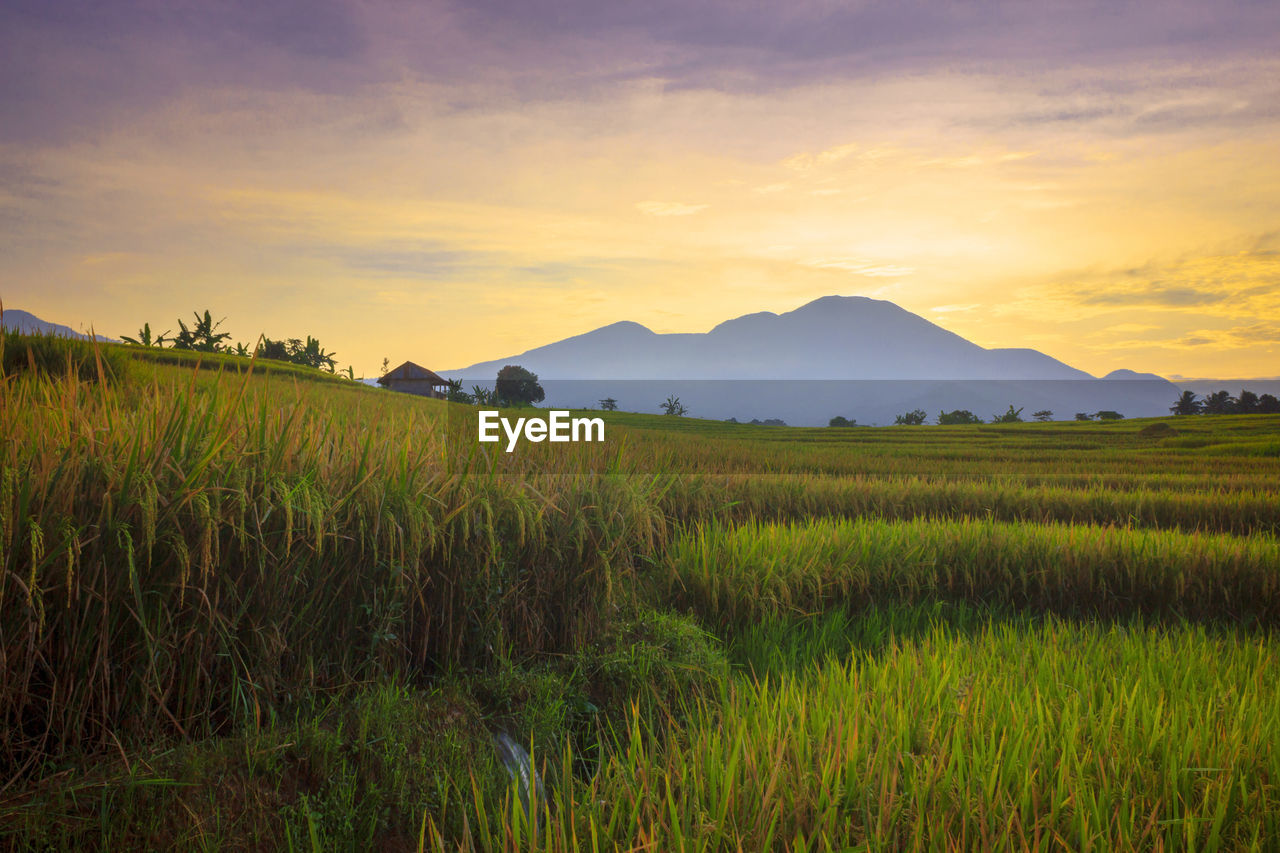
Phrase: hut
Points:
(413, 378)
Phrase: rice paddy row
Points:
(782, 498)
(732, 576)
(1058, 735)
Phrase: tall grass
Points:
(1062, 736)
(57, 356)
(176, 557)
(731, 576)
(783, 498)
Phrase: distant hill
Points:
(16, 320)
(836, 337)
(840, 355)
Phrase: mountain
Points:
(836, 337)
(840, 355)
(23, 321)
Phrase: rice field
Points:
(712, 636)
(1054, 735)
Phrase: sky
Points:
(450, 182)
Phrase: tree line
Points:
(203, 336)
(918, 417)
(1222, 403)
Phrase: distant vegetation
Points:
(202, 336)
(958, 416)
(516, 386)
(673, 406)
(1222, 403)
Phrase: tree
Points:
(1083, 416)
(1246, 403)
(1219, 403)
(144, 338)
(913, 418)
(1187, 404)
(1043, 415)
(609, 404)
(518, 387)
(386, 365)
(1268, 405)
(455, 394)
(672, 406)
(1013, 416)
(294, 351)
(958, 416)
(278, 350)
(840, 421)
(1108, 415)
(311, 354)
(203, 336)
(484, 396)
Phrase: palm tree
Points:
(1219, 403)
(1187, 404)
(672, 406)
(144, 338)
(203, 336)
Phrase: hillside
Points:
(835, 337)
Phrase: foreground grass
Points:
(1059, 735)
(372, 765)
(181, 556)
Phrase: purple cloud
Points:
(65, 67)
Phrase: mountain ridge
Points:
(833, 337)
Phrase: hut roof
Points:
(409, 370)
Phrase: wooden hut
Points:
(413, 378)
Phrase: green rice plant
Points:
(340, 773)
(731, 576)
(1060, 736)
(785, 498)
(57, 356)
(178, 558)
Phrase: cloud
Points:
(669, 208)
(1153, 293)
(860, 266)
(1247, 280)
(71, 66)
(1129, 328)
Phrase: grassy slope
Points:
(304, 538)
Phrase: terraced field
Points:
(253, 611)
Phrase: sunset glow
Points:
(450, 183)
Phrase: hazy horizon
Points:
(450, 183)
